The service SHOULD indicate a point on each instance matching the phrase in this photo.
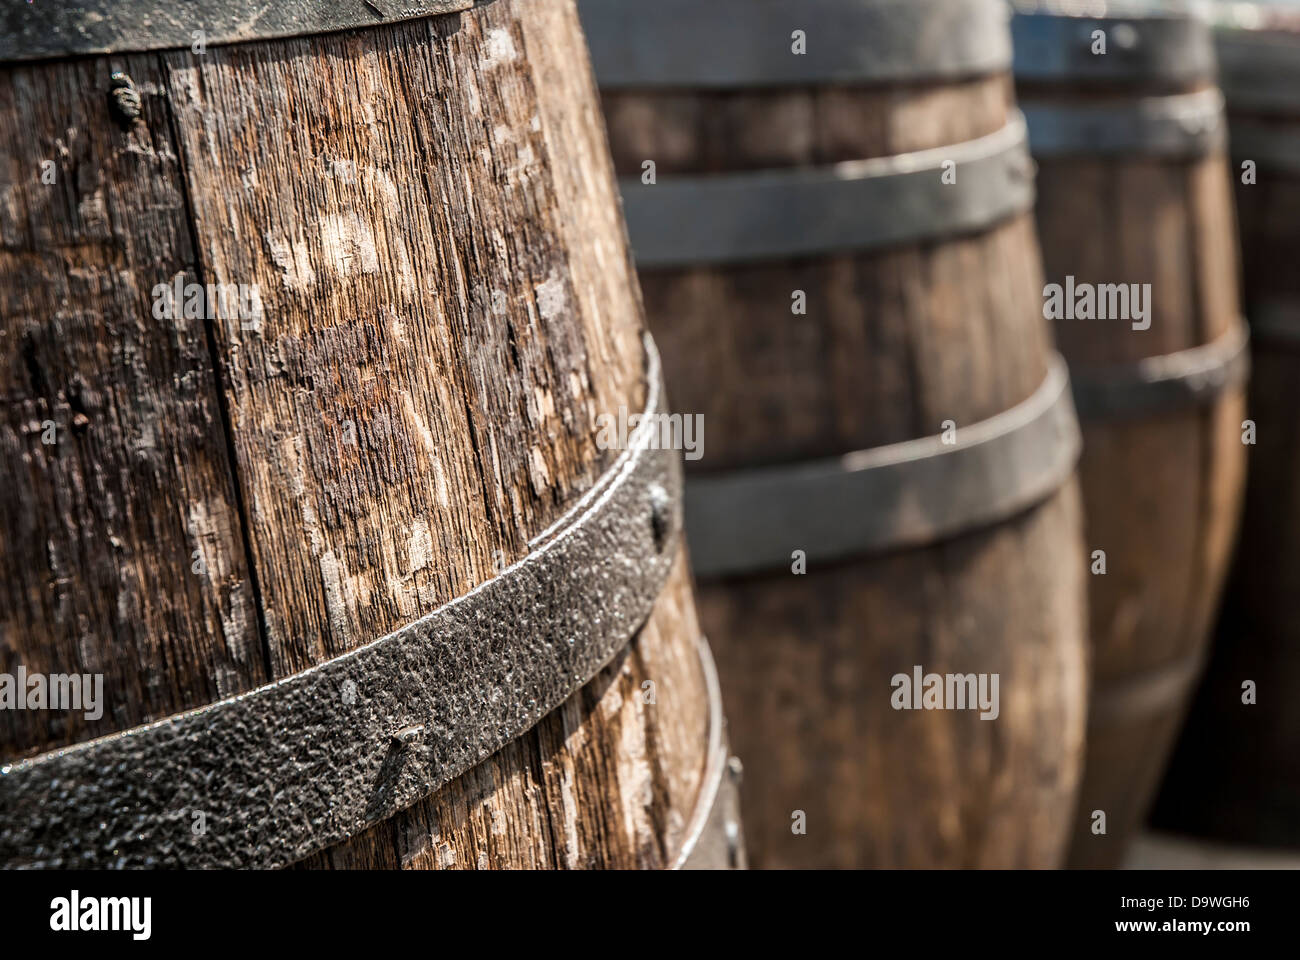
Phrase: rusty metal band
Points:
(1260, 68)
(1151, 691)
(738, 44)
(888, 498)
(1186, 126)
(714, 839)
(856, 205)
(295, 766)
(1144, 43)
(1275, 323)
(62, 28)
(1163, 384)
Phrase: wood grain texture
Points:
(428, 214)
(459, 363)
(691, 132)
(806, 663)
(1235, 773)
(99, 528)
(894, 342)
(1161, 493)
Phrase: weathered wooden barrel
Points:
(334, 544)
(838, 260)
(1136, 223)
(1236, 773)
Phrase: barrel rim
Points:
(60, 29)
(885, 499)
(1156, 690)
(1260, 68)
(1108, 9)
(746, 44)
(1170, 46)
(717, 784)
(1182, 126)
(1165, 383)
(855, 205)
(1274, 323)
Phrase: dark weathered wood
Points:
(428, 212)
(1161, 492)
(893, 344)
(457, 362)
(100, 528)
(1236, 772)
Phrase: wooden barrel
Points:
(326, 563)
(838, 260)
(1236, 774)
(1135, 220)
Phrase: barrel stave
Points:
(104, 524)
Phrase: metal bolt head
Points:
(661, 515)
(735, 769)
(1126, 36)
(123, 98)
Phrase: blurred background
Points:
(861, 280)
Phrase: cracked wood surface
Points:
(444, 305)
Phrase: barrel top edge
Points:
(1260, 66)
(1163, 45)
(744, 44)
(1111, 10)
(57, 29)
(1256, 18)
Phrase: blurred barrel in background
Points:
(393, 410)
(1236, 774)
(1135, 211)
(829, 203)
